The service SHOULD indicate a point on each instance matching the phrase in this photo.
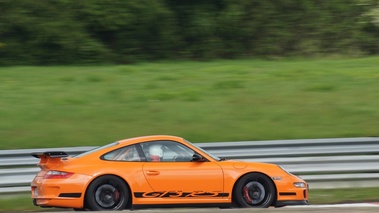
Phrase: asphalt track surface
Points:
(345, 208)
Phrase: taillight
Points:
(57, 175)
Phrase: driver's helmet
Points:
(155, 152)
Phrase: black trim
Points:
(291, 203)
(140, 152)
(52, 154)
(287, 193)
(74, 195)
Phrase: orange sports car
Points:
(157, 171)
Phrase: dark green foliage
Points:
(118, 31)
(132, 30)
(45, 32)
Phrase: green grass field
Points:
(222, 100)
(23, 202)
(238, 100)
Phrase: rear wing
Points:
(54, 154)
(49, 159)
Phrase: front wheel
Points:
(254, 190)
(107, 193)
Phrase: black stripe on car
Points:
(76, 195)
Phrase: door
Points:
(174, 174)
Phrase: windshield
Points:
(211, 155)
(96, 149)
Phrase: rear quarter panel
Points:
(130, 172)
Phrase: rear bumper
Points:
(64, 193)
(59, 203)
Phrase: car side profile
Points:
(157, 171)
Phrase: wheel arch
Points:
(130, 202)
(255, 172)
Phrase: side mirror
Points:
(197, 158)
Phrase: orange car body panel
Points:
(156, 182)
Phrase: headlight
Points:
(299, 185)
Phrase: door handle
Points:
(152, 172)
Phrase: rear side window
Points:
(127, 153)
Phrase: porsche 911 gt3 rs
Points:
(159, 170)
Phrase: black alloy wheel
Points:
(254, 190)
(107, 193)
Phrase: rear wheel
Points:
(254, 190)
(107, 193)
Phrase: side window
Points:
(127, 153)
(167, 151)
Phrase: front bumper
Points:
(290, 203)
(289, 193)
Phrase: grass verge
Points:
(23, 202)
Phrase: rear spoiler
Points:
(53, 154)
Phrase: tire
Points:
(107, 193)
(254, 190)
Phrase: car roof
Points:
(129, 141)
(149, 138)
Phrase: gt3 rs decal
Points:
(175, 194)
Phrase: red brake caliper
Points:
(116, 195)
(246, 194)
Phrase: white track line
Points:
(338, 205)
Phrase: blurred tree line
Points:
(125, 31)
